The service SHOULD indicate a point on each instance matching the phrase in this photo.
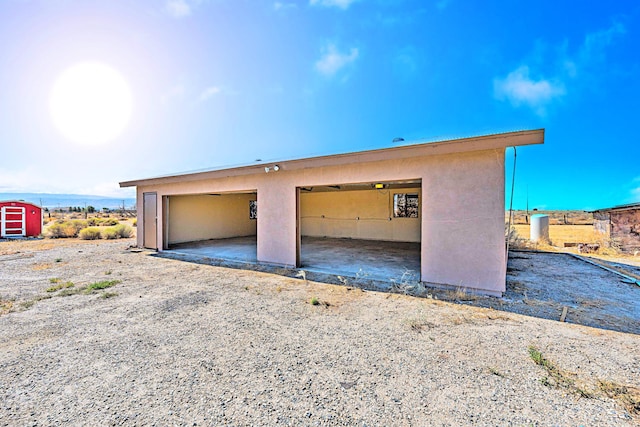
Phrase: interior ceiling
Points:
(363, 186)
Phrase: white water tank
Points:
(539, 227)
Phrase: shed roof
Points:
(409, 150)
(630, 206)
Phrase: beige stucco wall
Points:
(362, 214)
(462, 210)
(204, 217)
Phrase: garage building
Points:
(428, 211)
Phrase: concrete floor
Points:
(234, 249)
(370, 259)
(361, 259)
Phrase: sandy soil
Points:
(186, 344)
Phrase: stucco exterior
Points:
(461, 219)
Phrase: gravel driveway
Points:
(176, 343)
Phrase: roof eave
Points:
(478, 143)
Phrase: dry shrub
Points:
(89, 233)
(117, 232)
(62, 230)
(102, 222)
(109, 233)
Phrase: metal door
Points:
(13, 221)
(150, 220)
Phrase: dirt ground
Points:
(172, 342)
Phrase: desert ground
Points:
(94, 332)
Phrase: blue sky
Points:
(224, 82)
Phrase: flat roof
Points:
(620, 207)
(412, 149)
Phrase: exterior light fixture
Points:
(276, 168)
(379, 186)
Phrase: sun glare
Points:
(91, 103)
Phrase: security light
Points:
(379, 185)
(276, 168)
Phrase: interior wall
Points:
(204, 217)
(361, 214)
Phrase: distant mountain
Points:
(54, 201)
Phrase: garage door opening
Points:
(220, 225)
(366, 230)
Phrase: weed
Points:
(303, 275)
(408, 284)
(106, 295)
(460, 294)
(59, 286)
(555, 376)
(494, 371)
(69, 292)
(418, 324)
(104, 284)
(314, 301)
(107, 273)
(279, 289)
(27, 304)
(54, 280)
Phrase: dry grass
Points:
(627, 396)
(555, 217)
(6, 306)
(560, 234)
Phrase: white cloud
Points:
(209, 92)
(405, 63)
(341, 4)
(178, 8)
(593, 48)
(567, 68)
(284, 6)
(520, 89)
(333, 61)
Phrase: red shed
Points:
(20, 219)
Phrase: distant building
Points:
(20, 219)
(621, 224)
